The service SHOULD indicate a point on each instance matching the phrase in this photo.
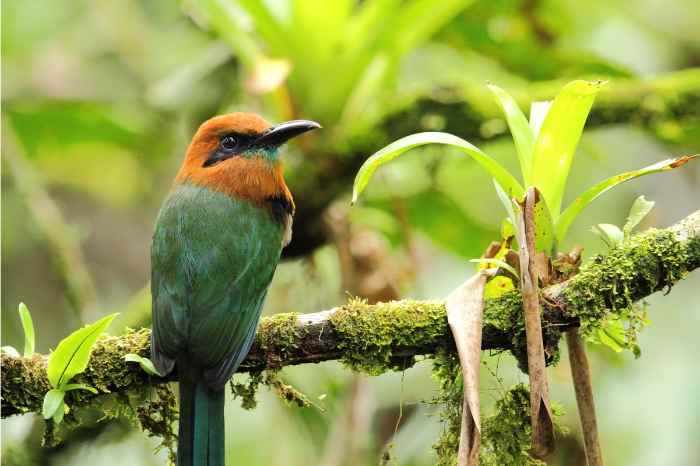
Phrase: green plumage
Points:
(213, 258)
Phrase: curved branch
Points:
(385, 336)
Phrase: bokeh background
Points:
(100, 98)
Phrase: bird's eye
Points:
(229, 142)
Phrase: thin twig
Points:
(581, 373)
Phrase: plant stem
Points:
(581, 373)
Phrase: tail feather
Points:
(201, 431)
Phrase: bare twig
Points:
(581, 373)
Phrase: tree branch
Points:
(386, 336)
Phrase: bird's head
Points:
(246, 135)
(238, 154)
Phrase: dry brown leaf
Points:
(465, 312)
(541, 417)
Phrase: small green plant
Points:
(145, 363)
(545, 145)
(69, 359)
(613, 235)
(28, 326)
(612, 332)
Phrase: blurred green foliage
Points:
(103, 98)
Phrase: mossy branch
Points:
(385, 336)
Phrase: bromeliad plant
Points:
(545, 146)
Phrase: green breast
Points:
(213, 258)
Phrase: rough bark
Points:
(385, 336)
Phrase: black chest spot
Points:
(280, 207)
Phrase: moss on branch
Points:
(388, 336)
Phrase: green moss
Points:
(506, 435)
(371, 337)
(247, 390)
(277, 336)
(503, 315)
(608, 286)
(446, 372)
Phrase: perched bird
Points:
(217, 242)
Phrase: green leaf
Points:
(60, 412)
(79, 386)
(544, 228)
(574, 209)
(538, 112)
(500, 263)
(53, 400)
(145, 363)
(28, 327)
(611, 234)
(393, 150)
(557, 140)
(72, 354)
(519, 129)
(606, 338)
(510, 205)
(639, 210)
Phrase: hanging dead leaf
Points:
(465, 313)
(541, 418)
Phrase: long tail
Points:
(201, 427)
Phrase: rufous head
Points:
(246, 135)
(238, 154)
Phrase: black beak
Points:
(279, 134)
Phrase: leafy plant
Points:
(69, 359)
(613, 235)
(145, 363)
(309, 40)
(612, 332)
(28, 326)
(545, 145)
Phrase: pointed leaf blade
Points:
(79, 386)
(393, 150)
(519, 129)
(72, 354)
(53, 400)
(545, 240)
(639, 210)
(28, 326)
(557, 140)
(145, 363)
(580, 203)
(611, 234)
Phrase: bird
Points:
(216, 244)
